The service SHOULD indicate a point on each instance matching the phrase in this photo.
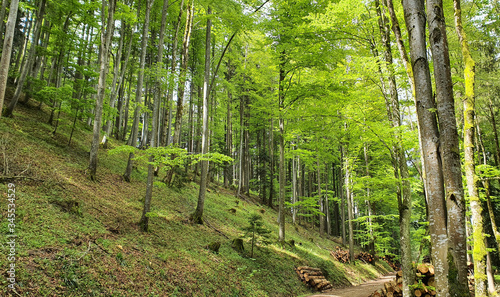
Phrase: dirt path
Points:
(363, 290)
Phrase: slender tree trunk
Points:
(28, 64)
(321, 202)
(197, 217)
(281, 202)
(173, 65)
(350, 206)
(138, 92)
(106, 34)
(271, 163)
(119, 76)
(294, 189)
(491, 276)
(399, 163)
(479, 251)
(2, 18)
(7, 49)
(415, 22)
(182, 75)
(495, 132)
(144, 222)
(342, 196)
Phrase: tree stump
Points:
(237, 245)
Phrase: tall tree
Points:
(28, 64)
(139, 89)
(106, 34)
(449, 146)
(414, 12)
(197, 217)
(7, 49)
(153, 141)
(479, 251)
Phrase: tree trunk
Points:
(415, 22)
(399, 160)
(281, 202)
(138, 92)
(170, 93)
(449, 146)
(28, 64)
(2, 18)
(321, 203)
(106, 34)
(7, 49)
(479, 251)
(271, 163)
(495, 132)
(144, 222)
(350, 206)
(197, 217)
(182, 75)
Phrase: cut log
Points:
(417, 293)
(422, 268)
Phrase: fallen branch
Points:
(216, 230)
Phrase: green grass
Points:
(80, 238)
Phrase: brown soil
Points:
(363, 290)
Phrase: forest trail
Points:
(362, 290)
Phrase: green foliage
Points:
(256, 231)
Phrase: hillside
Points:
(76, 237)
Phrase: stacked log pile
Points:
(425, 281)
(393, 288)
(314, 278)
(392, 262)
(425, 284)
(366, 257)
(340, 255)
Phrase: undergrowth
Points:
(80, 238)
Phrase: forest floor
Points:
(362, 290)
(77, 237)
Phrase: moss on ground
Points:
(80, 238)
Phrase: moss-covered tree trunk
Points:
(479, 251)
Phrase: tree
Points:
(256, 230)
(144, 222)
(106, 34)
(7, 49)
(28, 65)
(197, 217)
(479, 251)
(415, 23)
(139, 89)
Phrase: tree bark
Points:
(7, 50)
(197, 217)
(479, 251)
(106, 34)
(138, 92)
(321, 203)
(28, 64)
(2, 18)
(449, 146)
(170, 93)
(415, 22)
(144, 222)
(182, 75)
(281, 202)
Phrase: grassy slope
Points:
(80, 238)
